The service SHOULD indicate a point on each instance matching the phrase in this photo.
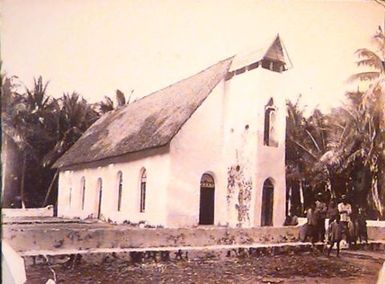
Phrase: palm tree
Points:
(306, 145)
(368, 117)
(24, 119)
(355, 151)
(295, 160)
(108, 105)
(13, 134)
(73, 116)
(374, 120)
(375, 60)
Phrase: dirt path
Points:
(304, 268)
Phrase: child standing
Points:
(312, 222)
(362, 229)
(335, 235)
(345, 210)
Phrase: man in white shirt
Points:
(345, 209)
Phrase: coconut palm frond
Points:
(306, 150)
(364, 76)
(313, 140)
(106, 105)
(120, 98)
(350, 159)
(379, 38)
(369, 54)
(376, 92)
(375, 63)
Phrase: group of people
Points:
(344, 222)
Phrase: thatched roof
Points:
(147, 123)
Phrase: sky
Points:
(94, 47)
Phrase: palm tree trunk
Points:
(50, 188)
(381, 186)
(288, 206)
(23, 179)
(301, 197)
(375, 197)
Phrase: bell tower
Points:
(254, 134)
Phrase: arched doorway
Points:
(267, 203)
(100, 194)
(207, 197)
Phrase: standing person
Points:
(353, 225)
(312, 222)
(291, 219)
(332, 210)
(335, 235)
(362, 229)
(294, 218)
(322, 210)
(332, 214)
(345, 209)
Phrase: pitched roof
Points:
(147, 123)
(273, 50)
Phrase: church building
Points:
(207, 150)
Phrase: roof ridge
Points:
(177, 82)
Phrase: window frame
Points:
(143, 187)
(83, 191)
(120, 190)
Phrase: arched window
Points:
(143, 181)
(83, 190)
(269, 138)
(100, 196)
(69, 197)
(120, 189)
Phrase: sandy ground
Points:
(351, 267)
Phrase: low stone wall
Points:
(27, 212)
(376, 233)
(43, 237)
(87, 236)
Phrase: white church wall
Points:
(195, 150)
(240, 137)
(224, 137)
(156, 163)
(271, 160)
(246, 97)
